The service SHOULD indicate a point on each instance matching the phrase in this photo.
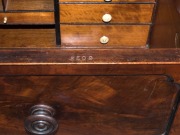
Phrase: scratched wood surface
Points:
(30, 5)
(28, 18)
(86, 105)
(92, 13)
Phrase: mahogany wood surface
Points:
(166, 25)
(107, 2)
(175, 127)
(77, 79)
(5, 3)
(178, 5)
(28, 18)
(89, 35)
(91, 61)
(86, 105)
(1, 6)
(30, 5)
(33, 37)
(92, 13)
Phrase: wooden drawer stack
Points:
(98, 23)
(27, 12)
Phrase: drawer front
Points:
(25, 37)
(106, 1)
(30, 5)
(99, 105)
(90, 35)
(28, 18)
(93, 13)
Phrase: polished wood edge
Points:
(88, 56)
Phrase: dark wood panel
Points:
(119, 35)
(4, 3)
(103, 0)
(27, 37)
(166, 25)
(1, 6)
(30, 5)
(28, 18)
(92, 13)
(101, 105)
(90, 69)
(175, 127)
(93, 56)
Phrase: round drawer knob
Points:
(107, 18)
(104, 40)
(5, 20)
(107, 0)
(41, 121)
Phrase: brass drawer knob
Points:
(106, 18)
(5, 20)
(41, 121)
(104, 40)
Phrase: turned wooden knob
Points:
(41, 121)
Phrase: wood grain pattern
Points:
(103, 0)
(55, 56)
(30, 5)
(100, 105)
(92, 13)
(89, 35)
(28, 18)
(27, 38)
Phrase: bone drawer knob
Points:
(107, 0)
(5, 20)
(104, 40)
(107, 18)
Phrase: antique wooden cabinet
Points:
(89, 67)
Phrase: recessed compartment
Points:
(27, 18)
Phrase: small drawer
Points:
(91, 35)
(30, 5)
(27, 18)
(93, 13)
(106, 0)
(24, 37)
